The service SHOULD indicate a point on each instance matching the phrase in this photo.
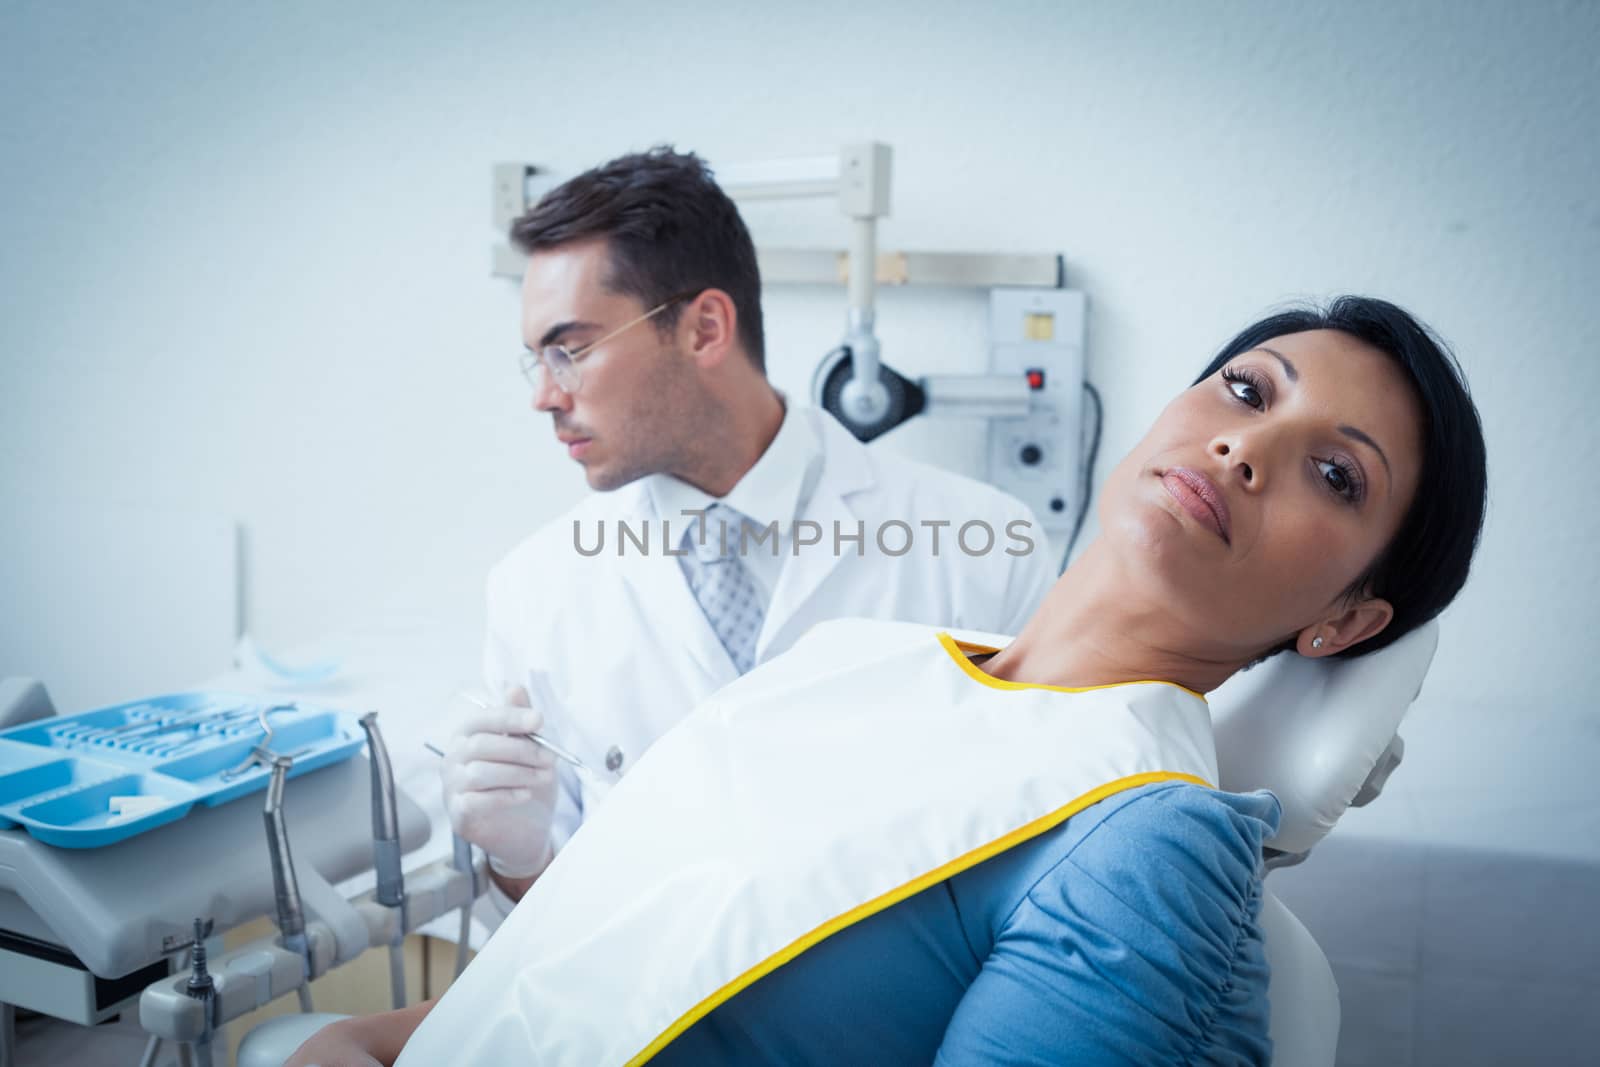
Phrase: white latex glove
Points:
(499, 788)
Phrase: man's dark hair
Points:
(1424, 566)
(669, 229)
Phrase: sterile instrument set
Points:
(89, 927)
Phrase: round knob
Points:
(1030, 455)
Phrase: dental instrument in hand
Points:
(594, 777)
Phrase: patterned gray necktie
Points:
(722, 584)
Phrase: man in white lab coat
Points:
(727, 521)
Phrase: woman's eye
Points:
(1338, 479)
(1243, 389)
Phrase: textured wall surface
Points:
(245, 251)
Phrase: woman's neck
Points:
(1093, 628)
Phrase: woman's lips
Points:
(1200, 497)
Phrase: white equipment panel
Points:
(1038, 335)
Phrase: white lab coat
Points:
(616, 651)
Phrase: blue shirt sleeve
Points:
(1140, 946)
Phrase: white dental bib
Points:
(869, 762)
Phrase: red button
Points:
(1036, 379)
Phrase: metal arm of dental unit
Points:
(336, 932)
(1032, 396)
(317, 929)
(852, 382)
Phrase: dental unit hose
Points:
(461, 860)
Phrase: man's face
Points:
(630, 411)
(1264, 491)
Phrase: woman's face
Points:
(1263, 492)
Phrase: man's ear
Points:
(1355, 624)
(708, 328)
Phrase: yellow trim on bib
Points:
(894, 896)
(958, 651)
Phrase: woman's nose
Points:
(1231, 450)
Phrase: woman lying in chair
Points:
(889, 846)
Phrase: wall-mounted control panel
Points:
(1037, 335)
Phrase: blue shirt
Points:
(1127, 935)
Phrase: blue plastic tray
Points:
(58, 776)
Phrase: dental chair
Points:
(1320, 734)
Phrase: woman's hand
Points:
(362, 1041)
(335, 1045)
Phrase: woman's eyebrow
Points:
(1355, 434)
(1288, 368)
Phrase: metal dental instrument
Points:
(201, 987)
(198, 718)
(136, 726)
(205, 733)
(593, 777)
(261, 754)
(559, 752)
(544, 742)
(286, 888)
(391, 891)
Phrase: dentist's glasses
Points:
(562, 362)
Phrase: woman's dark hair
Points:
(669, 228)
(1424, 566)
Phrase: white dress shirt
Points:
(775, 490)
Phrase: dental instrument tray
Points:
(92, 779)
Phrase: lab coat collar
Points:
(847, 469)
(847, 466)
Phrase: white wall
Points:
(244, 264)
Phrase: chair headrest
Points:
(1312, 730)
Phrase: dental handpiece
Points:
(285, 887)
(385, 818)
(391, 892)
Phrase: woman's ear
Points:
(1354, 625)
